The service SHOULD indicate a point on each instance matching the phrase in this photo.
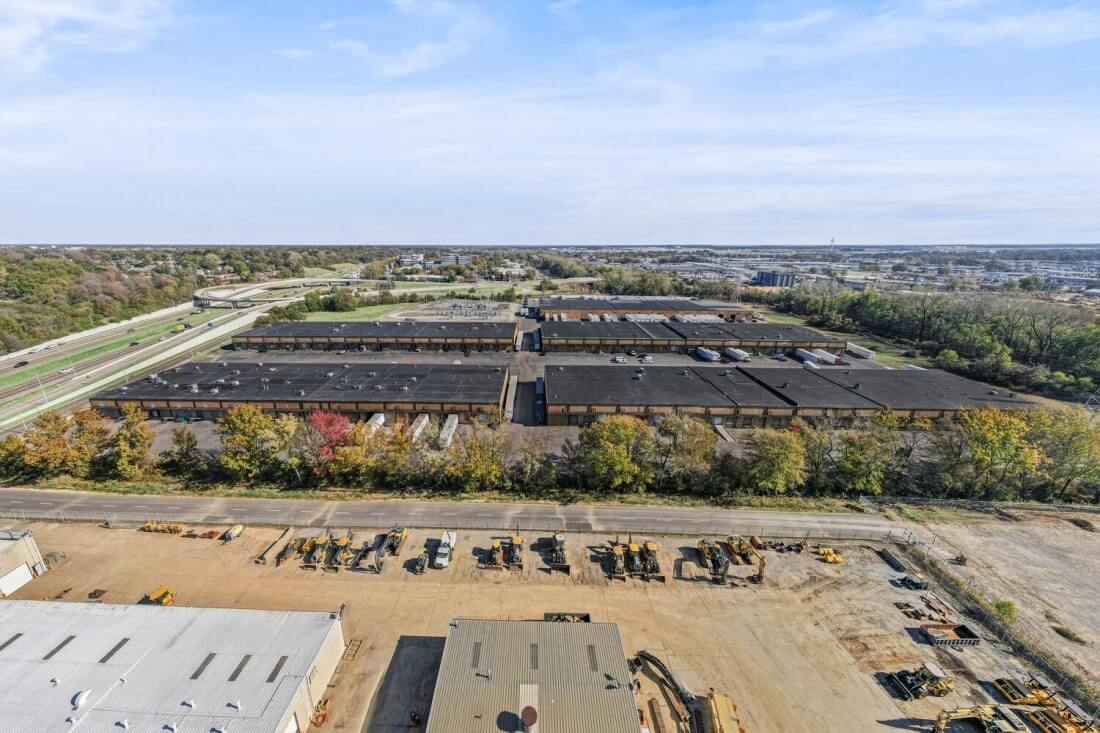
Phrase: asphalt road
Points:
(27, 504)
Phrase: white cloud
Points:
(465, 26)
(353, 46)
(296, 54)
(34, 31)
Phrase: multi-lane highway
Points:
(28, 504)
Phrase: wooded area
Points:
(988, 454)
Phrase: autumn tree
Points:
(476, 462)
(684, 452)
(13, 456)
(91, 434)
(616, 454)
(1071, 443)
(982, 450)
(249, 441)
(47, 444)
(183, 458)
(775, 462)
(131, 445)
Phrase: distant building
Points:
(410, 260)
(776, 278)
(455, 259)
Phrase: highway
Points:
(28, 504)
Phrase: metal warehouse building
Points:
(573, 677)
(380, 335)
(575, 307)
(206, 390)
(20, 560)
(761, 396)
(677, 336)
(102, 668)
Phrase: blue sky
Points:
(569, 121)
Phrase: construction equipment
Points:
(830, 556)
(634, 565)
(261, 559)
(914, 582)
(927, 680)
(741, 550)
(161, 596)
(391, 544)
(1030, 690)
(513, 552)
(722, 714)
(1068, 718)
(495, 560)
(711, 558)
(650, 564)
(363, 553)
(558, 559)
(421, 564)
(165, 527)
(315, 556)
(990, 719)
(339, 551)
(232, 533)
(617, 559)
(289, 550)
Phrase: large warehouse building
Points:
(760, 396)
(379, 335)
(568, 677)
(103, 668)
(201, 390)
(576, 307)
(678, 336)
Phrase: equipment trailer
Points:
(558, 560)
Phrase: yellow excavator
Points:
(747, 551)
(1029, 690)
(1067, 718)
(989, 718)
(723, 714)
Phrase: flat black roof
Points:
(807, 388)
(625, 385)
(608, 330)
(634, 304)
(384, 329)
(916, 389)
(741, 389)
(250, 382)
(680, 331)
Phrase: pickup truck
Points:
(445, 550)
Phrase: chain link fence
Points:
(980, 506)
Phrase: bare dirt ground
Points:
(1044, 563)
(799, 653)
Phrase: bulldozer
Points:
(650, 563)
(558, 560)
(989, 718)
(162, 595)
(634, 565)
(617, 558)
(513, 552)
(928, 680)
(1031, 690)
(711, 558)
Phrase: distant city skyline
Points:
(447, 123)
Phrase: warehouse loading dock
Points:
(680, 337)
(744, 397)
(382, 335)
(203, 390)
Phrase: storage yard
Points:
(828, 640)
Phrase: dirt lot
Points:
(1044, 563)
(799, 653)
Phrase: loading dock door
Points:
(15, 580)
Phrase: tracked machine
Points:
(617, 560)
(989, 718)
(928, 680)
(1031, 690)
(747, 551)
(558, 559)
(317, 553)
(634, 565)
(711, 558)
(495, 559)
(650, 564)
(513, 552)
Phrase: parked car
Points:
(66, 370)
(135, 343)
(445, 550)
(21, 364)
(618, 359)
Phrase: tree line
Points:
(987, 454)
(1042, 347)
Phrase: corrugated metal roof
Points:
(574, 675)
(148, 681)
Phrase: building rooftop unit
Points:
(573, 675)
(383, 329)
(106, 668)
(926, 389)
(259, 381)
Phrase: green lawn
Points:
(368, 313)
(340, 268)
(888, 353)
